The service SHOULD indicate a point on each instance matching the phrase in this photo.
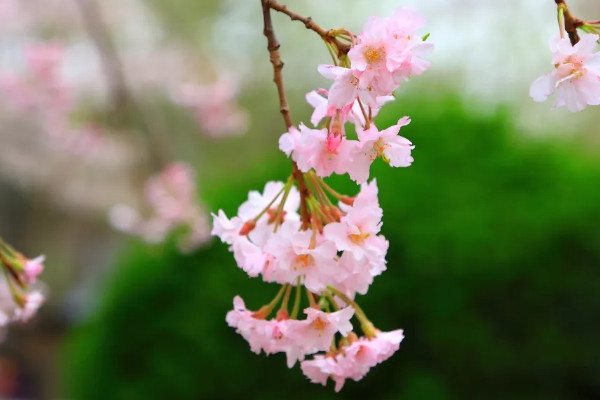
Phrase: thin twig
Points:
(275, 57)
(343, 48)
(571, 22)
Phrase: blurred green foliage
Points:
(493, 273)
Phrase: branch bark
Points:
(275, 58)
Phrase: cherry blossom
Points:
(576, 77)
(171, 200)
(20, 294)
(213, 106)
(387, 144)
(357, 230)
(297, 338)
(310, 150)
(354, 361)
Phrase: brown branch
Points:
(275, 58)
(343, 48)
(571, 22)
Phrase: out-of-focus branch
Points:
(109, 57)
(571, 22)
(273, 47)
(125, 106)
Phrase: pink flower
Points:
(347, 87)
(30, 301)
(357, 230)
(354, 361)
(389, 51)
(309, 149)
(226, 229)
(576, 77)
(407, 48)
(214, 106)
(294, 337)
(316, 332)
(33, 268)
(394, 149)
(39, 86)
(172, 203)
(248, 256)
(257, 202)
(355, 276)
(33, 301)
(261, 335)
(299, 254)
(350, 113)
(44, 59)
(321, 368)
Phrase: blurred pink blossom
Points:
(214, 107)
(171, 199)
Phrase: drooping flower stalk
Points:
(333, 248)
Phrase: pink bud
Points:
(33, 268)
(333, 141)
(247, 228)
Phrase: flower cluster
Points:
(20, 296)
(171, 200)
(576, 74)
(386, 53)
(303, 234)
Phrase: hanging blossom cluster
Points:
(576, 75)
(20, 296)
(171, 204)
(320, 245)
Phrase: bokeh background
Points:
(494, 264)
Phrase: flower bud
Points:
(333, 141)
(247, 227)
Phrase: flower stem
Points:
(288, 183)
(364, 113)
(297, 299)
(311, 298)
(279, 214)
(366, 325)
(286, 298)
(331, 53)
(334, 304)
(570, 23)
(278, 297)
(561, 20)
(309, 24)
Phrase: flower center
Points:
(574, 70)
(358, 238)
(319, 325)
(304, 261)
(374, 55)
